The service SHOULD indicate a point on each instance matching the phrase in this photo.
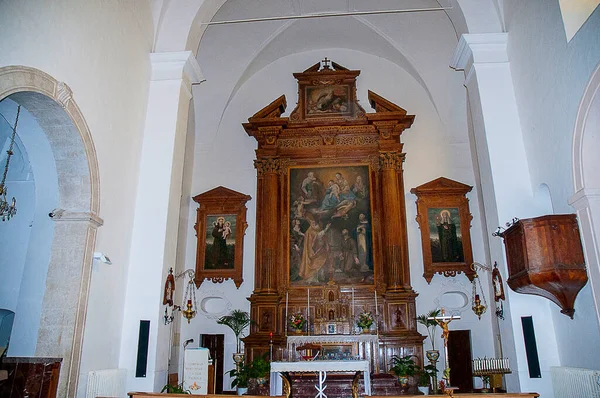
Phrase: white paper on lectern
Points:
(195, 371)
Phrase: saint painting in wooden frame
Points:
(220, 229)
(445, 222)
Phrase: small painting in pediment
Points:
(328, 100)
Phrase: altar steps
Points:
(340, 386)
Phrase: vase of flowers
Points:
(364, 321)
(297, 321)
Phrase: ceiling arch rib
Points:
(355, 33)
(181, 21)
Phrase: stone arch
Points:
(76, 218)
(586, 179)
(181, 26)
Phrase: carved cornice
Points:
(61, 215)
(391, 160)
(267, 165)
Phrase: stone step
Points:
(340, 386)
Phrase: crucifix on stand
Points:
(444, 320)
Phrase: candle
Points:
(271, 336)
(352, 302)
(287, 297)
(376, 310)
(308, 313)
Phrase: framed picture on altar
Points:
(445, 221)
(330, 225)
(220, 228)
(339, 351)
(331, 328)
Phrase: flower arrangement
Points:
(365, 320)
(297, 321)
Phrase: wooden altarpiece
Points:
(302, 162)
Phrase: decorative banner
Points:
(195, 370)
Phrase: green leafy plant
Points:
(177, 389)
(404, 366)
(425, 375)
(260, 367)
(237, 320)
(430, 324)
(241, 375)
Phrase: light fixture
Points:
(189, 298)
(8, 210)
(478, 307)
(102, 258)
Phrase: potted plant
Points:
(174, 389)
(364, 321)
(403, 368)
(430, 324)
(432, 355)
(237, 321)
(241, 376)
(425, 376)
(259, 369)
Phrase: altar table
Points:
(320, 367)
(367, 345)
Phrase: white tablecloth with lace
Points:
(320, 367)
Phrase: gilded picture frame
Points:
(220, 229)
(445, 222)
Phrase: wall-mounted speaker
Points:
(142, 350)
(533, 362)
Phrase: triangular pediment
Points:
(325, 67)
(381, 105)
(441, 184)
(221, 193)
(271, 111)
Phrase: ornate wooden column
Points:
(395, 244)
(267, 257)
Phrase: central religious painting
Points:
(330, 227)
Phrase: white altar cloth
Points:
(321, 367)
(367, 345)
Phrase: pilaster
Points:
(154, 237)
(504, 180)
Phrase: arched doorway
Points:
(64, 303)
(586, 163)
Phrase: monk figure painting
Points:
(220, 242)
(445, 236)
(330, 226)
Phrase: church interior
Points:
(196, 189)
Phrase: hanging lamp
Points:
(8, 210)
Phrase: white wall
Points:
(549, 76)
(435, 146)
(100, 49)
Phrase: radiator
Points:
(575, 382)
(106, 383)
